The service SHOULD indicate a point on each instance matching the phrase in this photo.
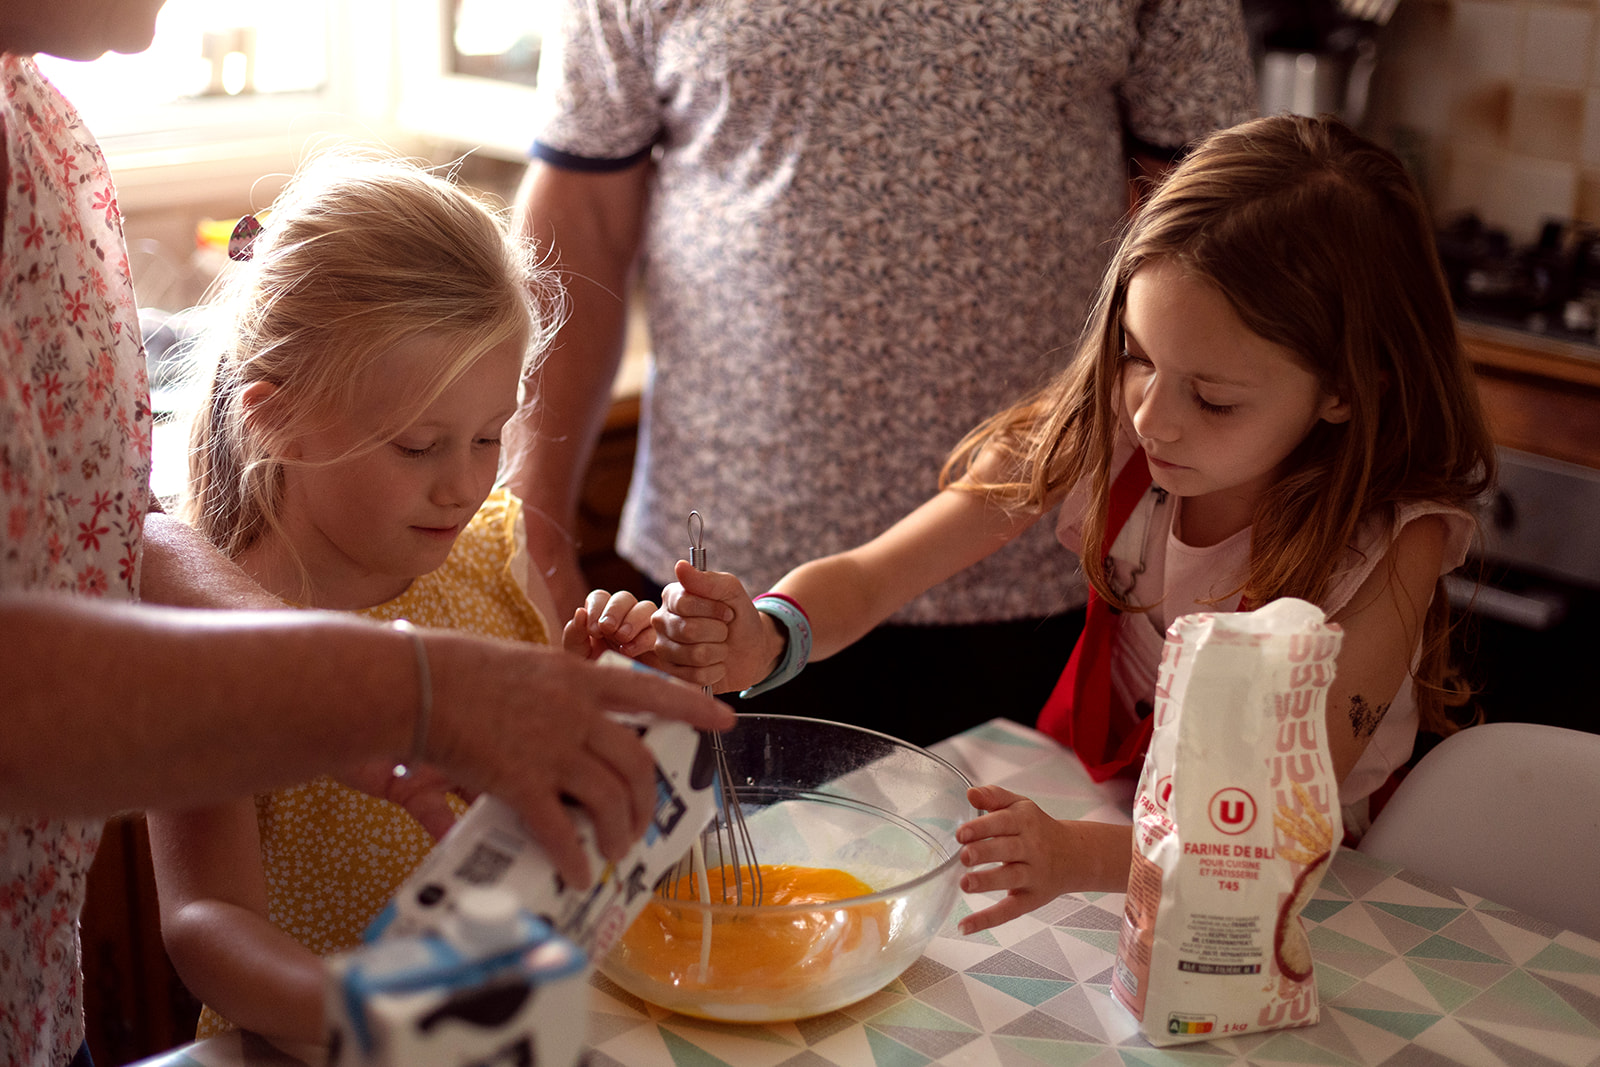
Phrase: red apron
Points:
(1078, 713)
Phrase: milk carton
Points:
(483, 955)
(490, 848)
(495, 986)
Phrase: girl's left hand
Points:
(424, 792)
(1022, 850)
(616, 621)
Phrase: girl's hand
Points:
(424, 792)
(1032, 850)
(616, 621)
(708, 632)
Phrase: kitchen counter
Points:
(1409, 971)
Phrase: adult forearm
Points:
(570, 395)
(553, 444)
(110, 707)
(115, 706)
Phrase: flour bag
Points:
(1235, 820)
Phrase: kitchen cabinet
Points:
(1529, 602)
(1540, 395)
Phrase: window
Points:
(205, 53)
(233, 89)
(468, 71)
(498, 39)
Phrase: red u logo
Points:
(1232, 810)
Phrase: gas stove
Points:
(1530, 599)
(1550, 289)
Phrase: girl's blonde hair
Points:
(1321, 243)
(359, 254)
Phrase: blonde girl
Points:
(346, 457)
(1269, 400)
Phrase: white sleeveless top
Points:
(1152, 565)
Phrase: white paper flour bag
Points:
(1235, 821)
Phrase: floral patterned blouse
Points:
(74, 477)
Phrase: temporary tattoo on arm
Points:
(1365, 718)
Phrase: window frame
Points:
(395, 90)
(490, 116)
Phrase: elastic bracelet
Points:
(797, 650)
(419, 736)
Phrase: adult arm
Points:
(183, 569)
(113, 706)
(591, 224)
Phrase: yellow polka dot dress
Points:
(333, 855)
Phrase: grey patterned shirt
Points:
(872, 224)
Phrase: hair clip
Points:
(242, 241)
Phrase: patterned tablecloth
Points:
(1411, 972)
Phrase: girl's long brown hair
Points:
(1321, 243)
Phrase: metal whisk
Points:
(725, 846)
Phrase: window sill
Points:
(239, 169)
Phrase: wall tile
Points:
(1547, 122)
(1514, 193)
(1481, 114)
(1531, 191)
(1556, 46)
(1501, 98)
(1469, 182)
(1486, 40)
(1589, 148)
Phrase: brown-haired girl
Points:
(1269, 400)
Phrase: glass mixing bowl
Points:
(815, 794)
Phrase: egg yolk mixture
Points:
(753, 952)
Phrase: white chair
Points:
(1509, 811)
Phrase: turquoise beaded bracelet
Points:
(792, 617)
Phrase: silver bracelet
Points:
(419, 736)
